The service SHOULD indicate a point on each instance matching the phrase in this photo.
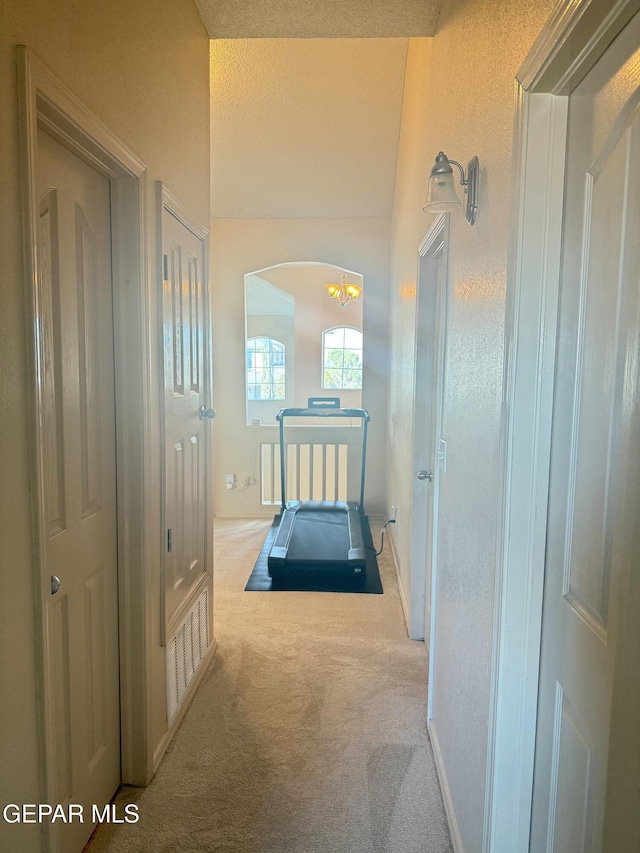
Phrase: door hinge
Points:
(169, 540)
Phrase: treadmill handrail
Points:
(320, 412)
(363, 414)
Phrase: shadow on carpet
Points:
(315, 580)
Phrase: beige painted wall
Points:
(300, 126)
(239, 246)
(117, 57)
(459, 96)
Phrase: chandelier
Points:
(345, 292)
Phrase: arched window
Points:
(265, 369)
(342, 358)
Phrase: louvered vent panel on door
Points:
(185, 650)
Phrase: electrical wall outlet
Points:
(256, 422)
(230, 480)
(394, 512)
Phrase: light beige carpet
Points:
(307, 734)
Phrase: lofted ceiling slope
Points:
(306, 103)
(305, 128)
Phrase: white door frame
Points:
(47, 102)
(573, 39)
(422, 557)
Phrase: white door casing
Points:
(79, 461)
(46, 103)
(594, 467)
(187, 427)
(573, 40)
(429, 383)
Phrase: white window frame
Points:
(322, 357)
(270, 351)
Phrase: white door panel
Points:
(594, 468)
(186, 431)
(74, 287)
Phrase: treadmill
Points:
(320, 535)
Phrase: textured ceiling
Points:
(319, 18)
(305, 128)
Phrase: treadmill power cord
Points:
(370, 548)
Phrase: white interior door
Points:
(428, 415)
(75, 292)
(188, 411)
(595, 467)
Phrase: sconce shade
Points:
(345, 292)
(441, 193)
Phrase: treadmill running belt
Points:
(324, 534)
(312, 579)
(317, 533)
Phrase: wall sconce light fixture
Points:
(345, 292)
(441, 194)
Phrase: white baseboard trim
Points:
(185, 702)
(405, 609)
(456, 841)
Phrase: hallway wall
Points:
(459, 96)
(117, 57)
(239, 246)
